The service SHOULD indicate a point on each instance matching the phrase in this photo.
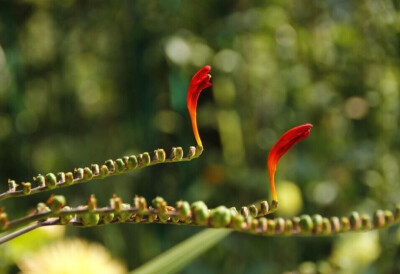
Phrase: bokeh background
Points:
(85, 81)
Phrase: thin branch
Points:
(249, 220)
(109, 168)
(27, 229)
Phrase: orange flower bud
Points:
(200, 81)
(283, 145)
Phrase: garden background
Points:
(85, 81)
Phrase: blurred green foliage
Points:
(84, 81)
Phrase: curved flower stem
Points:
(109, 168)
(197, 214)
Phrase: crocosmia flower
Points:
(283, 145)
(200, 81)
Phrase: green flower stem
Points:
(109, 168)
(195, 215)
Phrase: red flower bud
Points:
(283, 145)
(200, 81)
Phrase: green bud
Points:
(271, 227)
(69, 178)
(116, 203)
(79, 173)
(90, 219)
(192, 152)
(12, 185)
(221, 216)
(42, 208)
(144, 159)
(264, 208)
(132, 162)
(92, 203)
(274, 205)
(244, 211)
(95, 169)
(172, 155)
(199, 151)
(366, 222)
(138, 218)
(389, 218)
(234, 211)
(254, 225)
(104, 171)
(140, 203)
(159, 155)
(108, 217)
(253, 211)
(237, 222)
(61, 177)
(177, 153)
(56, 202)
(124, 216)
(296, 224)
(280, 225)
(157, 201)
(175, 219)
(40, 180)
(317, 222)
(26, 188)
(119, 163)
(288, 227)
(326, 226)
(51, 180)
(65, 218)
(200, 212)
(306, 224)
(110, 165)
(345, 223)
(87, 173)
(163, 212)
(183, 209)
(263, 224)
(152, 217)
(335, 224)
(355, 220)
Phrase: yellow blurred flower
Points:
(290, 198)
(353, 251)
(71, 256)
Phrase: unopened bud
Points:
(40, 180)
(51, 180)
(79, 173)
(56, 202)
(90, 219)
(12, 185)
(253, 211)
(26, 187)
(120, 166)
(65, 218)
(132, 162)
(110, 165)
(92, 203)
(306, 224)
(69, 178)
(220, 216)
(200, 212)
(87, 174)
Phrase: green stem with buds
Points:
(252, 219)
(109, 168)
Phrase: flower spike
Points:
(283, 145)
(200, 81)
